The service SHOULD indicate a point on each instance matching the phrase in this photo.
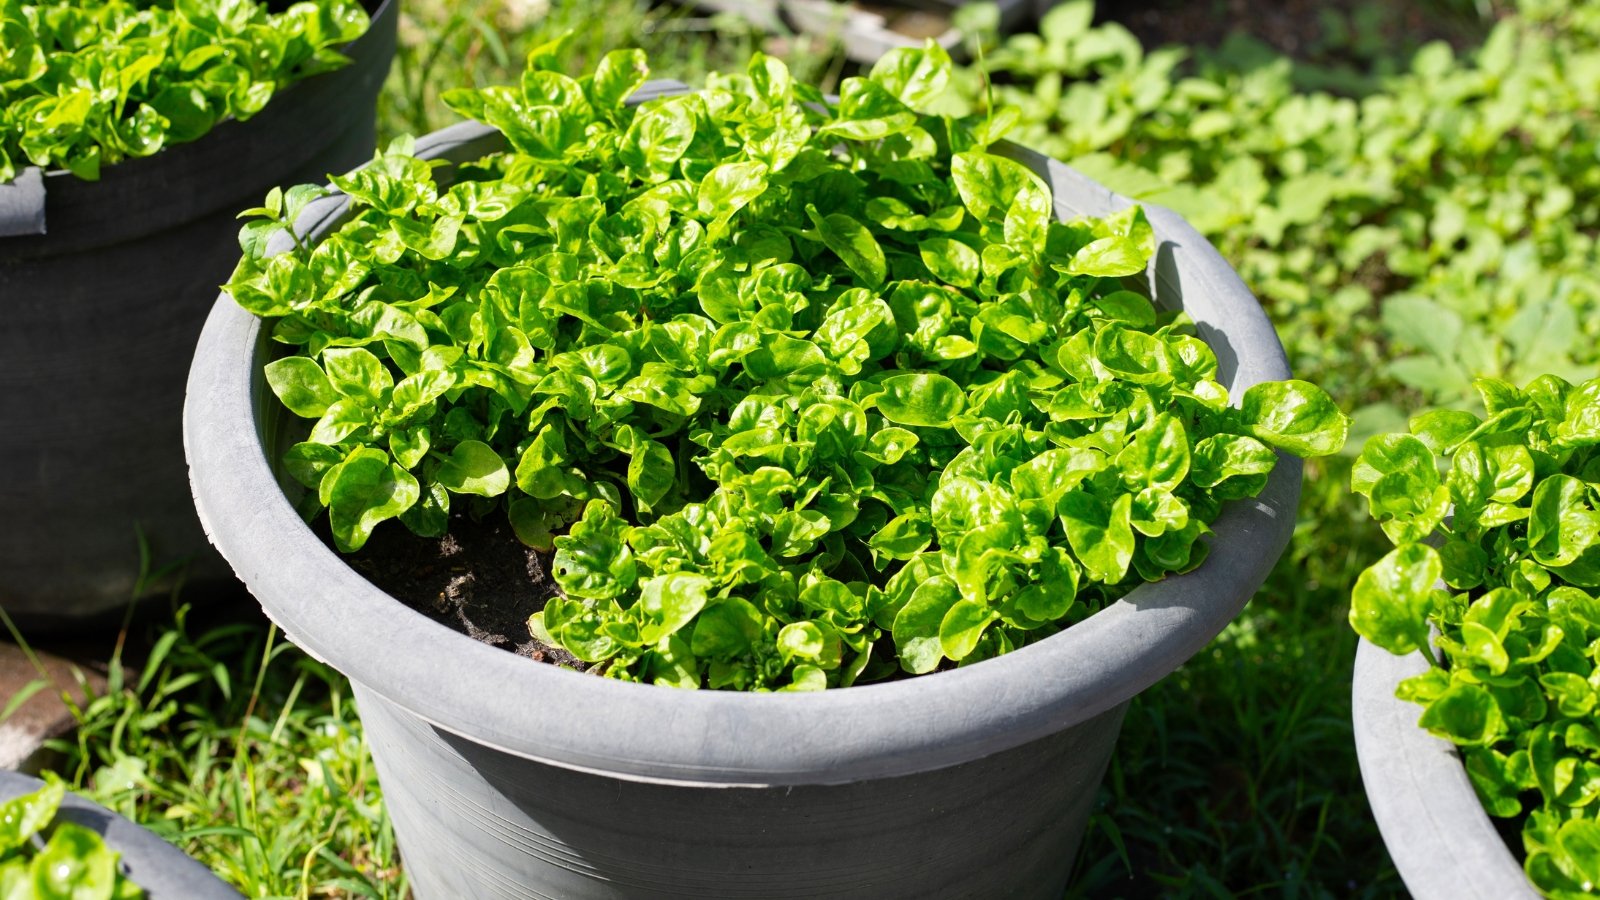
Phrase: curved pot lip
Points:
(1441, 840)
(648, 733)
(162, 870)
(57, 178)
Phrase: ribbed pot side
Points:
(508, 778)
(478, 822)
(164, 871)
(102, 313)
(1441, 840)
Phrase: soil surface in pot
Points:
(478, 579)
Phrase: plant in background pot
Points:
(56, 846)
(802, 393)
(130, 134)
(1496, 523)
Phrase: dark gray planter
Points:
(508, 778)
(164, 871)
(1436, 831)
(101, 313)
(866, 32)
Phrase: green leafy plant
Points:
(800, 392)
(1511, 504)
(63, 861)
(84, 85)
(1434, 197)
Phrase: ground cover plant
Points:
(50, 860)
(1515, 518)
(84, 85)
(761, 448)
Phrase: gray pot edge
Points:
(162, 870)
(707, 737)
(1436, 830)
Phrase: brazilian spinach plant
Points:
(83, 85)
(74, 863)
(800, 392)
(1508, 577)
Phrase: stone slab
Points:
(45, 714)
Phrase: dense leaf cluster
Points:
(74, 863)
(1459, 200)
(1515, 523)
(801, 392)
(84, 85)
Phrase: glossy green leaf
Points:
(990, 184)
(924, 399)
(1466, 714)
(669, 602)
(1101, 533)
(361, 492)
(1295, 416)
(593, 560)
(300, 385)
(962, 627)
(1392, 598)
(75, 864)
(914, 76)
(23, 817)
(854, 244)
(473, 467)
(951, 261)
(918, 626)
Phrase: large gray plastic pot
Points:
(101, 313)
(164, 871)
(1441, 840)
(508, 778)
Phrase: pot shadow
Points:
(1166, 287)
(1183, 256)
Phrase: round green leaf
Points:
(917, 627)
(301, 386)
(1392, 598)
(1295, 416)
(474, 468)
(922, 399)
(962, 626)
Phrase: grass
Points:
(233, 744)
(1234, 777)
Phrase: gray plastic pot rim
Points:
(1435, 828)
(707, 738)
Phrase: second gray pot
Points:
(1433, 825)
(100, 314)
(508, 778)
(162, 870)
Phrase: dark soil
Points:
(478, 579)
(1340, 33)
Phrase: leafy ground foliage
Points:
(1355, 215)
(232, 744)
